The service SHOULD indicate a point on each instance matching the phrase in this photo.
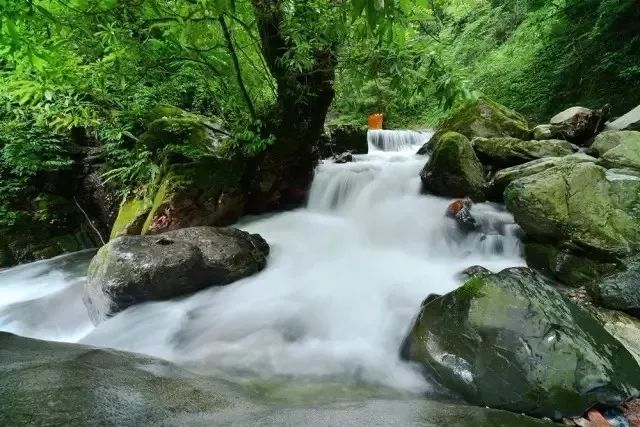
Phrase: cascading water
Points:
(345, 278)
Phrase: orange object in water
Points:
(455, 207)
(375, 121)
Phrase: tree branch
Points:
(236, 66)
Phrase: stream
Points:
(344, 281)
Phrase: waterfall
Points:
(344, 280)
(396, 140)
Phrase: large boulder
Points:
(486, 119)
(579, 124)
(134, 269)
(620, 290)
(630, 121)
(52, 383)
(506, 152)
(505, 176)
(583, 204)
(510, 340)
(611, 139)
(624, 155)
(454, 169)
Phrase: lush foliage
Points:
(536, 56)
(76, 72)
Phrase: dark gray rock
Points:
(345, 157)
(134, 269)
(620, 290)
(511, 341)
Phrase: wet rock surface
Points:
(47, 383)
(510, 340)
(134, 269)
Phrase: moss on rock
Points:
(566, 266)
(559, 362)
(605, 141)
(207, 192)
(583, 204)
(504, 152)
(486, 119)
(131, 217)
(454, 169)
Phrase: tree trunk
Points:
(284, 173)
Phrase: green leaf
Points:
(357, 6)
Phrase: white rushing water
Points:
(344, 281)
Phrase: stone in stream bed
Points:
(51, 383)
(511, 341)
(134, 269)
(460, 211)
(454, 169)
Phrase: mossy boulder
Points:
(505, 152)
(174, 134)
(583, 204)
(133, 269)
(486, 119)
(611, 139)
(505, 176)
(619, 290)
(206, 192)
(511, 341)
(454, 169)
(624, 155)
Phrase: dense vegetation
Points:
(536, 56)
(84, 73)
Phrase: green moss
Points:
(195, 189)
(131, 216)
(486, 118)
(472, 288)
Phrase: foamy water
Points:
(344, 281)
